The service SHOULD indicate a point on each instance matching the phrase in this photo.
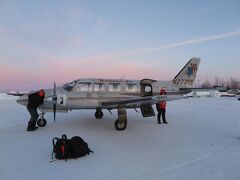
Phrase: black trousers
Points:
(34, 116)
(161, 112)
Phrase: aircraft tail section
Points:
(186, 77)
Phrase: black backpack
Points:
(79, 147)
(67, 149)
(62, 148)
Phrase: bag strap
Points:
(90, 150)
(63, 148)
(54, 143)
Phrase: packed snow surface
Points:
(201, 141)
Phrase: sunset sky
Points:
(56, 40)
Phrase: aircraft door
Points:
(147, 110)
(146, 87)
(147, 90)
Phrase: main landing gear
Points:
(98, 114)
(41, 122)
(121, 123)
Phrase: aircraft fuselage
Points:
(90, 93)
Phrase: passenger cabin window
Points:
(84, 87)
(99, 87)
(131, 87)
(114, 87)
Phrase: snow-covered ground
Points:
(4, 96)
(201, 141)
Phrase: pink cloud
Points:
(11, 76)
(65, 70)
(99, 67)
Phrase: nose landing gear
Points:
(41, 122)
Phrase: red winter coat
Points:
(162, 105)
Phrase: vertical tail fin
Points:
(186, 77)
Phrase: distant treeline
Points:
(231, 83)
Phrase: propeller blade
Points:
(54, 112)
(54, 98)
(54, 89)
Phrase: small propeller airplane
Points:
(99, 94)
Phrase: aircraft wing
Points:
(16, 93)
(137, 102)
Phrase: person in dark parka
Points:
(161, 108)
(34, 101)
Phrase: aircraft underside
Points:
(119, 124)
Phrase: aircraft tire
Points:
(99, 114)
(41, 122)
(120, 126)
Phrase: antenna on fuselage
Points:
(122, 77)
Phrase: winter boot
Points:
(31, 126)
(165, 122)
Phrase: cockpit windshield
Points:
(69, 86)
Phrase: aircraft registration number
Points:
(183, 81)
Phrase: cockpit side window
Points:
(131, 87)
(114, 87)
(84, 87)
(69, 86)
(99, 87)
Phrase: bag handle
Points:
(53, 141)
(64, 136)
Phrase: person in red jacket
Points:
(161, 108)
